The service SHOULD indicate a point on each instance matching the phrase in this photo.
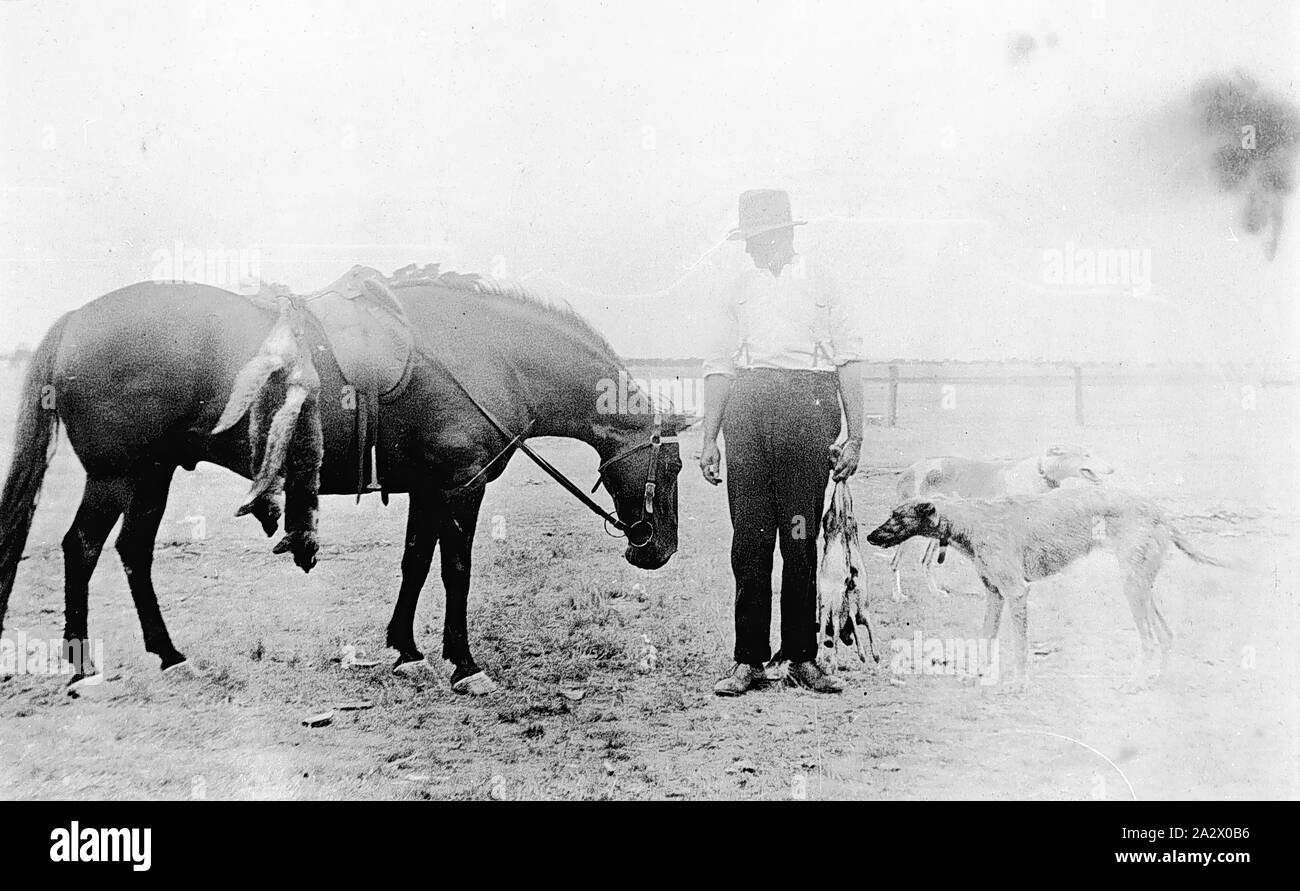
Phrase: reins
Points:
(644, 527)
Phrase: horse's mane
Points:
(476, 283)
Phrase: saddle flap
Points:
(367, 328)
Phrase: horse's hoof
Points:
(173, 660)
(475, 685)
(182, 670)
(409, 665)
(88, 677)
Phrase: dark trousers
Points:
(778, 429)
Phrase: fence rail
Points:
(894, 379)
(1088, 392)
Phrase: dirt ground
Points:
(566, 627)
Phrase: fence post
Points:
(1078, 395)
(893, 395)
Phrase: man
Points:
(787, 356)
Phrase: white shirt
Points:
(795, 320)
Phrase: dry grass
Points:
(559, 620)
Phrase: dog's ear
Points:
(925, 509)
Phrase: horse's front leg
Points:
(422, 526)
(457, 537)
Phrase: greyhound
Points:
(969, 478)
(1015, 541)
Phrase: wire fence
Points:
(1084, 393)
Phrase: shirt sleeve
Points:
(723, 337)
(846, 335)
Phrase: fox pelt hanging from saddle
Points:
(278, 390)
(842, 582)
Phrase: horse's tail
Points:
(34, 441)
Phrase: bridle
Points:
(640, 532)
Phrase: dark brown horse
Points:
(139, 378)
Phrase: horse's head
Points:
(642, 478)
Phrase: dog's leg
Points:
(1138, 591)
(991, 668)
(927, 564)
(1164, 633)
(1141, 561)
(894, 562)
(1017, 596)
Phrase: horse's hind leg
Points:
(135, 546)
(102, 503)
(421, 539)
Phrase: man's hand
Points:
(711, 462)
(844, 459)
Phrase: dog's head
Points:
(1064, 462)
(908, 519)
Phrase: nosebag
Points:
(842, 582)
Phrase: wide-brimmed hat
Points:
(762, 210)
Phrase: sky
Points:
(945, 154)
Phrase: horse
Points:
(139, 378)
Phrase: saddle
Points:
(366, 328)
(372, 341)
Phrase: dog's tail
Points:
(870, 472)
(1181, 542)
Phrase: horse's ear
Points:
(676, 423)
